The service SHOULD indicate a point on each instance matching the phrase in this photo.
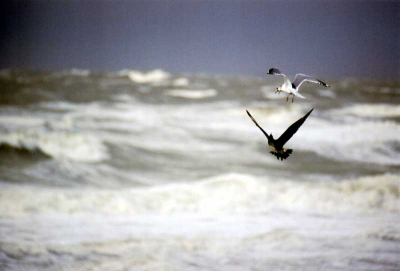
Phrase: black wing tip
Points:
(324, 84)
(251, 117)
(274, 71)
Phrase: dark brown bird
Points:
(277, 144)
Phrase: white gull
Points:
(292, 87)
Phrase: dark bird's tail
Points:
(283, 154)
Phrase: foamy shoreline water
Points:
(189, 242)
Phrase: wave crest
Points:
(225, 194)
(57, 144)
(154, 76)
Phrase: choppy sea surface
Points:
(158, 171)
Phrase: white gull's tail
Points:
(297, 94)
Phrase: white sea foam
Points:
(13, 122)
(371, 110)
(67, 106)
(155, 76)
(180, 82)
(224, 194)
(192, 94)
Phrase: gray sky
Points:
(324, 38)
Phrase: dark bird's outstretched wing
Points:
(291, 130)
(255, 122)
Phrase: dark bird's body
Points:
(277, 144)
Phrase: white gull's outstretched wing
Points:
(275, 71)
(301, 78)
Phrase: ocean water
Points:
(158, 171)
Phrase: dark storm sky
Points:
(324, 38)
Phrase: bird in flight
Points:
(277, 144)
(293, 88)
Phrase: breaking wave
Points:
(361, 141)
(57, 144)
(223, 194)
